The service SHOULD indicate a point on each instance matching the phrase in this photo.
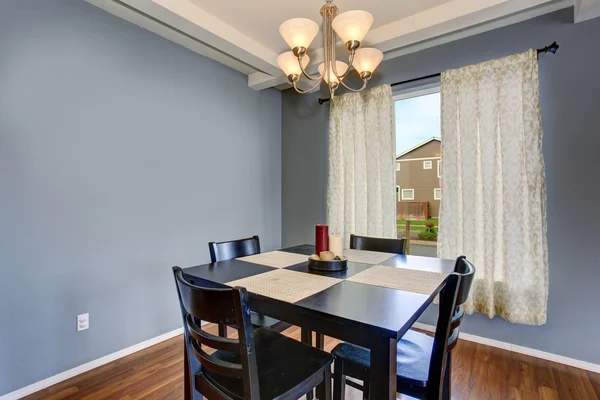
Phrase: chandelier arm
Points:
(354, 90)
(345, 74)
(306, 91)
(312, 78)
(333, 58)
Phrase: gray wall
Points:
(121, 155)
(570, 97)
(304, 167)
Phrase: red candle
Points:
(321, 238)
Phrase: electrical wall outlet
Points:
(83, 322)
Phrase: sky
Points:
(417, 119)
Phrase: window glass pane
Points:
(418, 167)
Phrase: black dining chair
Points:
(423, 362)
(260, 364)
(222, 251)
(383, 245)
(467, 272)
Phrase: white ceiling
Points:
(244, 34)
(260, 19)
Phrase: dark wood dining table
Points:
(370, 316)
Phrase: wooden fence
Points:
(412, 210)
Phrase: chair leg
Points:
(339, 381)
(187, 388)
(222, 330)
(447, 387)
(319, 341)
(324, 388)
(306, 338)
(366, 390)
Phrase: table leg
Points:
(306, 336)
(383, 370)
(319, 341)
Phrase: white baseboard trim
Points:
(588, 366)
(53, 380)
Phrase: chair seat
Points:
(412, 360)
(263, 321)
(282, 363)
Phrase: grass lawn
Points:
(416, 225)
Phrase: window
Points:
(439, 168)
(418, 126)
(437, 194)
(408, 194)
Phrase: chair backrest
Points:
(227, 306)
(397, 246)
(441, 338)
(222, 251)
(467, 272)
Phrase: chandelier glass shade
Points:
(340, 66)
(367, 59)
(289, 64)
(299, 32)
(351, 26)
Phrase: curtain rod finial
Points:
(549, 49)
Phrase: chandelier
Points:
(351, 26)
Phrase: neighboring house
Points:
(418, 179)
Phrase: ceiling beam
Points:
(260, 81)
(191, 19)
(586, 9)
(160, 28)
(445, 19)
(478, 29)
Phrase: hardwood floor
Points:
(479, 372)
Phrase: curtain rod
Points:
(548, 49)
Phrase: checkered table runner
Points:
(292, 286)
(286, 285)
(410, 280)
(276, 259)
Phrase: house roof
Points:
(417, 146)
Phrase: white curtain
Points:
(362, 146)
(493, 207)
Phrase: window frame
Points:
(418, 91)
(435, 190)
(439, 168)
(402, 194)
(398, 194)
(430, 164)
(397, 166)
